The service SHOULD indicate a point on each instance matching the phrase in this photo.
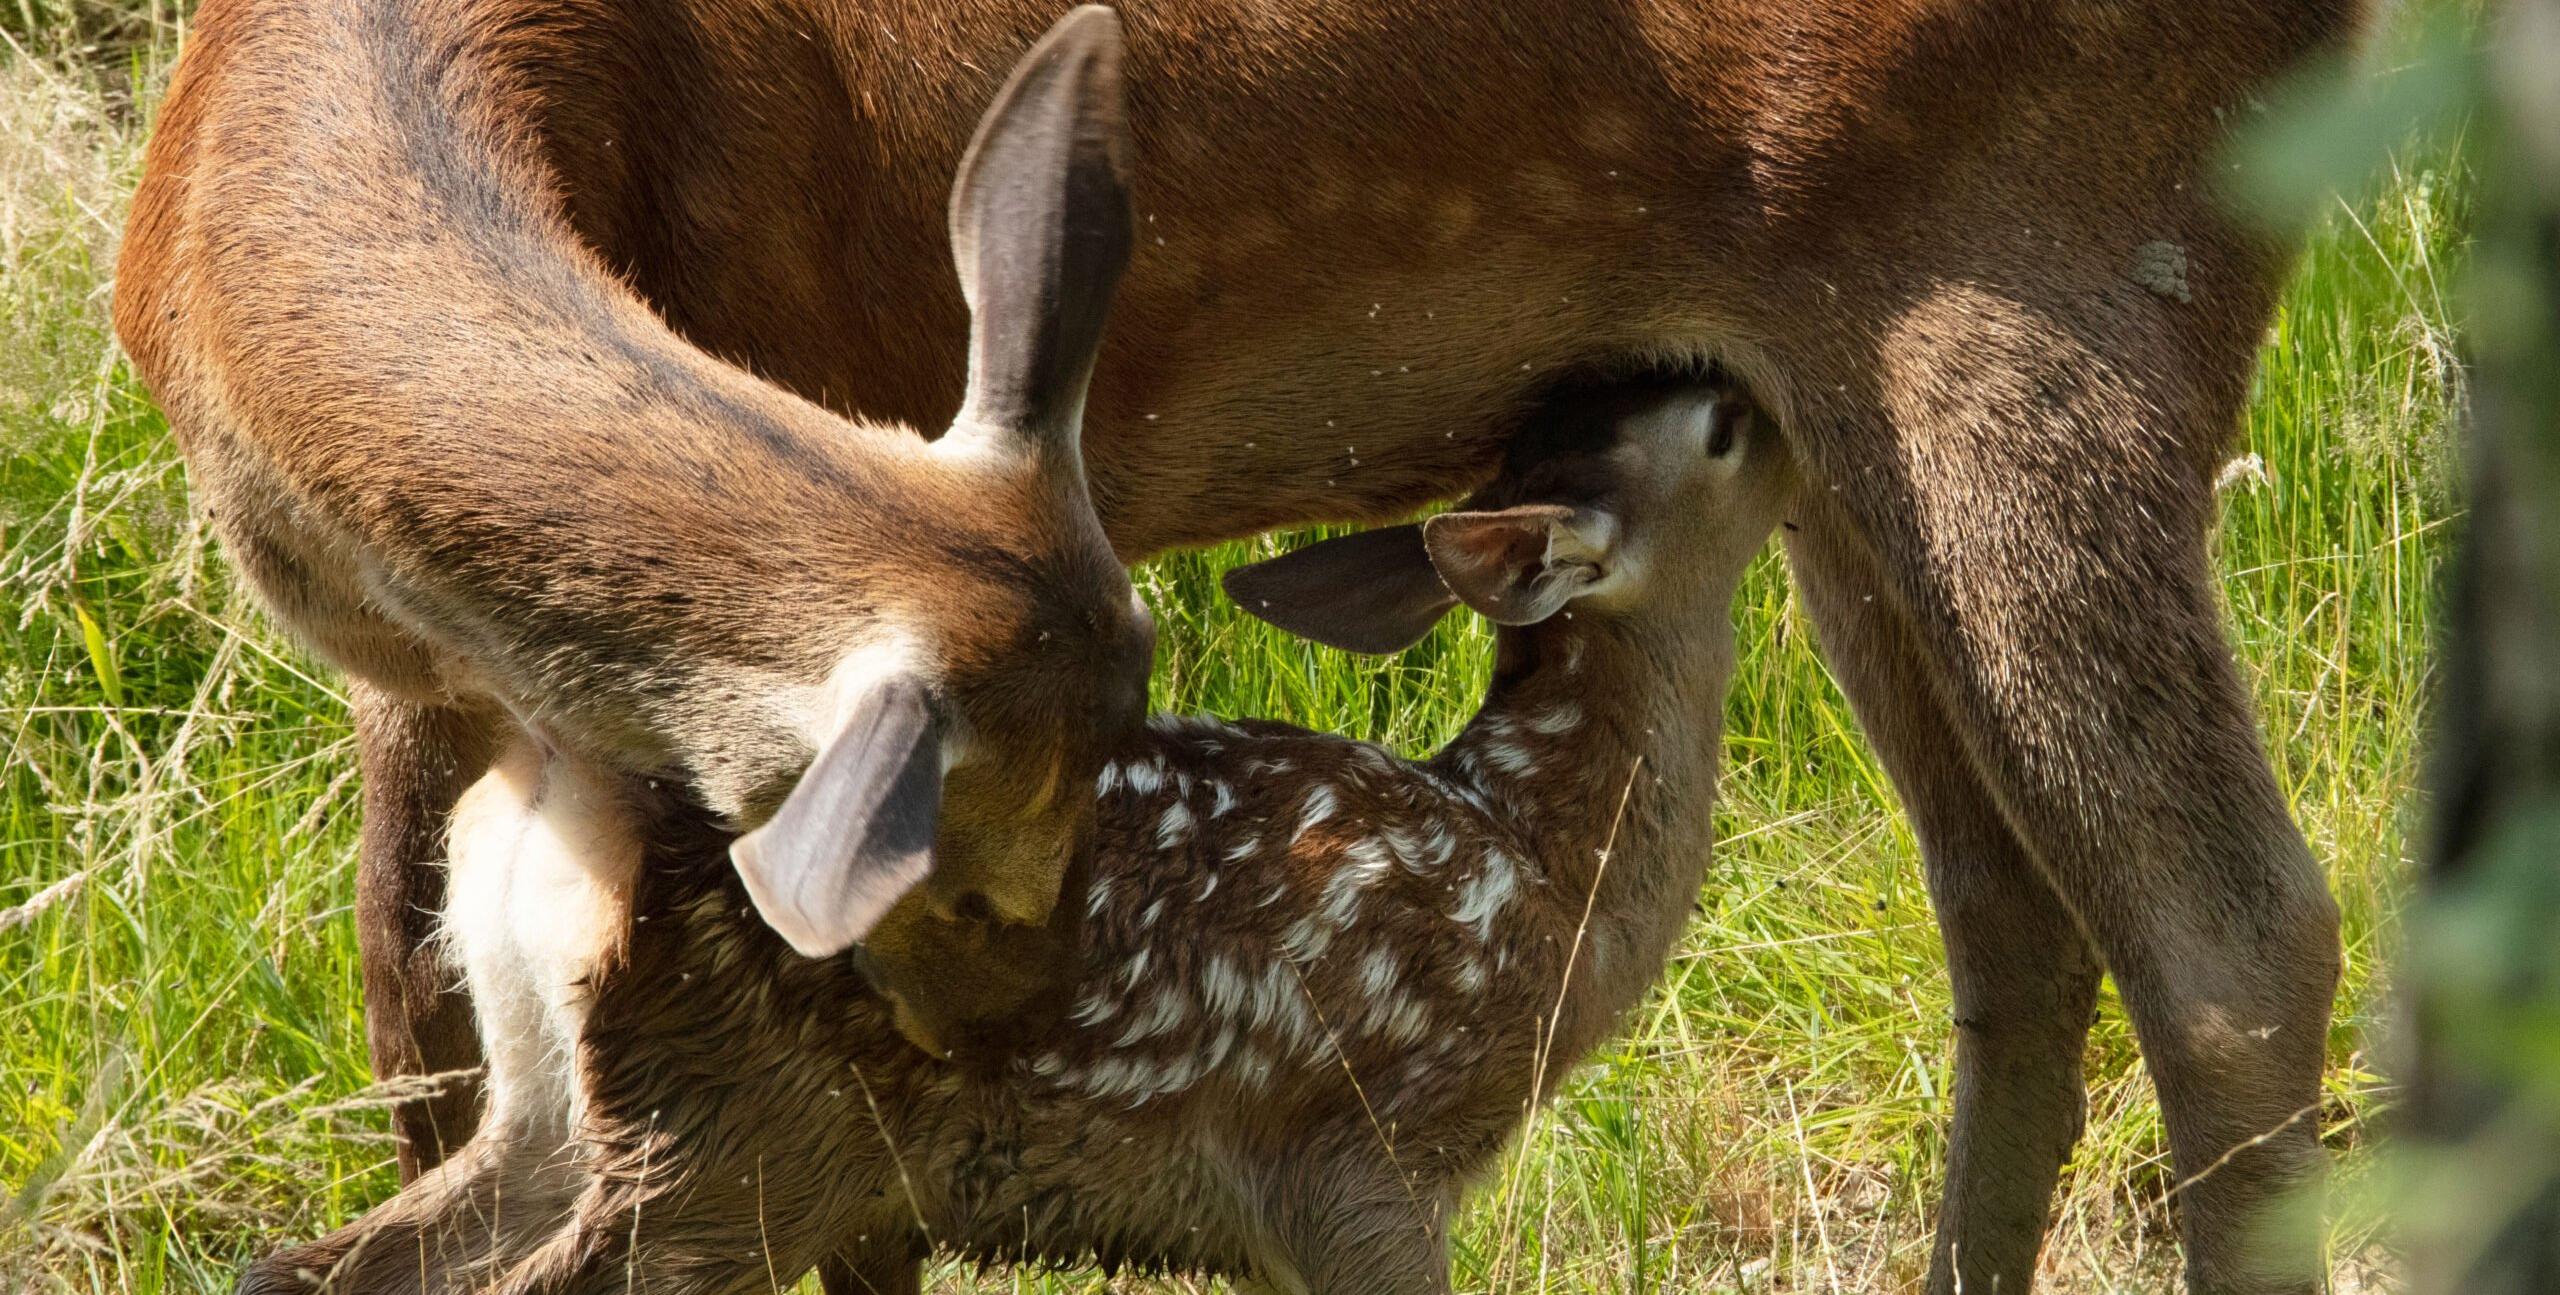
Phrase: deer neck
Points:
(1598, 741)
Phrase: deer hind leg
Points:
(416, 761)
(2036, 490)
(2024, 974)
(543, 855)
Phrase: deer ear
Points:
(1040, 228)
(1370, 592)
(1519, 566)
(856, 834)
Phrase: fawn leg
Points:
(415, 760)
(447, 1231)
(1360, 1232)
(872, 1274)
(694, 1229)
(2024, 974)
(2035, 485)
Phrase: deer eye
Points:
(1724, 427)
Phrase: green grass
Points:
(182, 1073)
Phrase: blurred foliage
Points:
(2474, 1190)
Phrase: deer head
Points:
(957, 746)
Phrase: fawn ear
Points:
(1041, 230)
(856, 834)
(1373, 591)
(1519, 566)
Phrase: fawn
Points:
(1319, 985)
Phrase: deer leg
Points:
(542, 857)
(415, 760)
(881, 1273)
(696, 1229)
(2024, 974)
(2035, 487)
(446, 1232)
(1362, 1233)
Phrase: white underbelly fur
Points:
(543, 853)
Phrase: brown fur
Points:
(1925, 230)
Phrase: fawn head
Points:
(1624, 497)
(957, 748)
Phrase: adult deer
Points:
(462, 460)
(1969, 251)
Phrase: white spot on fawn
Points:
(1251, 1068)
(1401, 1020)
(1173, 1078)
(1115, 1077)
(1368, 861)
(1484, 895)
(1307, 938)
(1468, 975)
(1224, 991)
(1378, 973)
(1563, 717)
(1094, 1008)
(1175, 827)
(1443, 845)
(1144, 778)
(1280, 1008)
(1321, 802)
(1164, 1011)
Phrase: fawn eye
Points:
(1724, 428)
